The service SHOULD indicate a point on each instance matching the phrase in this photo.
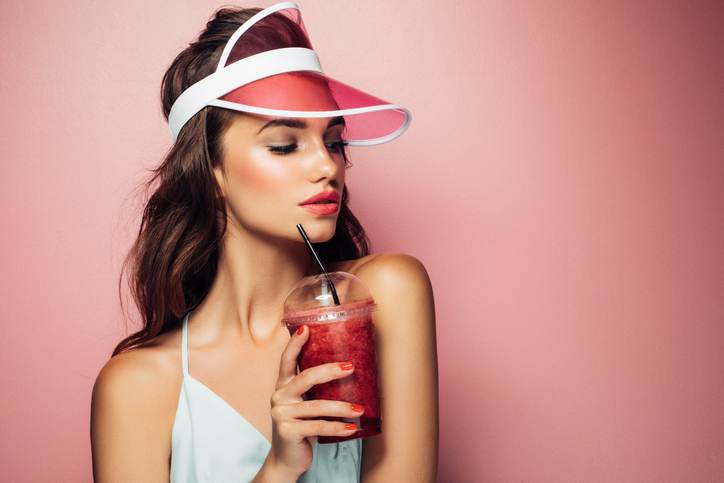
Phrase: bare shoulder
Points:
(141, 372)
(133, 406)
(395, 272)
(400, 286)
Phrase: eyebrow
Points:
(299, 123)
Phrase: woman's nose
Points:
(325, 165)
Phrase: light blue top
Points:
(213, 443)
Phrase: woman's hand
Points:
(292, 431)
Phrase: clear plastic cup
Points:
(338, 333)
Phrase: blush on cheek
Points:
(262, 177)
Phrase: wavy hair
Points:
(173, 260)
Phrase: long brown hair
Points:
(174, 258)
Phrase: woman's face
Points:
(271, 165)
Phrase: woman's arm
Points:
(407, 372)
(132, 412)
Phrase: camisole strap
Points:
(185, 346)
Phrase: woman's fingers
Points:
(297, 430)
(317, 408)
(290, 385)
(291, 433)
(288, 362)
(311, 376)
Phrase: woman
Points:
(207, 390)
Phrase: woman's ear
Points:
(220, 179)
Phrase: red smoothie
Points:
(349, 337)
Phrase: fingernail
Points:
(350, 426)
(346, 366)
(300, 330)
(358, 407)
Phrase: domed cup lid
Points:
(311, 299)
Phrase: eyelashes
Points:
(288, 148)
(337, 146)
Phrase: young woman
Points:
(207, 390)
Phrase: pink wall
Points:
(562, 181)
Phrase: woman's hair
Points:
(174, 259)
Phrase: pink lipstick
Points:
(324, 203)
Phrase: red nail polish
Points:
(300, 330)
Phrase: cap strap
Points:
(247, 25)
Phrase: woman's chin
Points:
(319, 230)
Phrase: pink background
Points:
(562, 181)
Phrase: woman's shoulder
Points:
(156, 360)
(375, 261)
(147, 363)
(143, 377)
(390, 272)
(390, 266)
(133, 407)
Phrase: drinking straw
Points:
(319, 262)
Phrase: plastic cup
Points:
(338, 333)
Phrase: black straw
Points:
(319, 262)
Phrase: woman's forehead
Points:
(262, 123)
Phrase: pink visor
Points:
(269, 67)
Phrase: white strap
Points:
(184, 346)
(241, 72)
(247, 25)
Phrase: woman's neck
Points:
(247, 295)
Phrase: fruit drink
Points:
(339, 333)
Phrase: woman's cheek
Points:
(260, 175)
(258, 189)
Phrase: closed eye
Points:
(288, 148)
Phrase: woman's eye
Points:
(288, 148)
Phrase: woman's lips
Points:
(322, 208)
